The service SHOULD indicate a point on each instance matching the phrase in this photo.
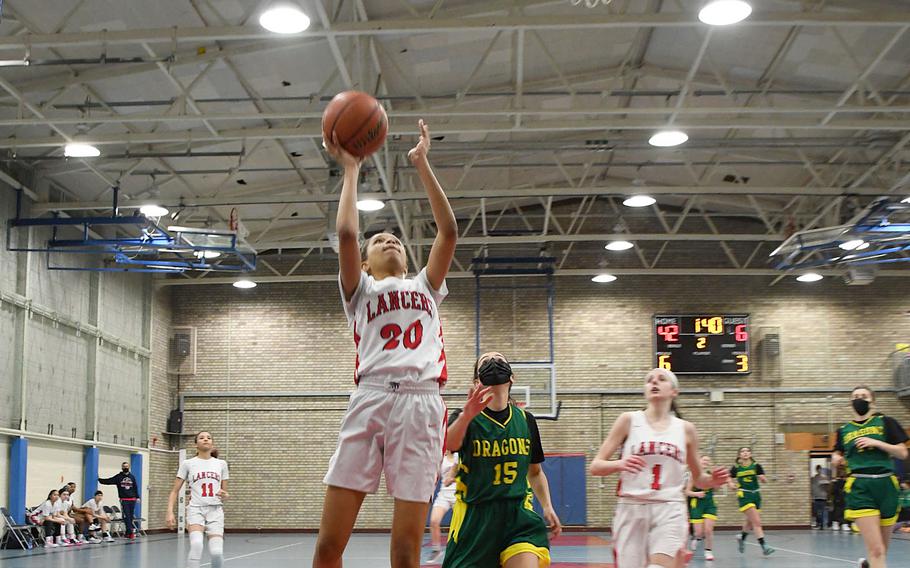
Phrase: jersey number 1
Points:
(655, 477)
(211, 489)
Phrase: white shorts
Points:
(209, 516)
(398, 430)
(445, 499)
(642, 529)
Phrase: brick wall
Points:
(162, 394)
(293, 337)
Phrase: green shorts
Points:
(873, 496)
(701, 509)
(486, 535)
(748, 499)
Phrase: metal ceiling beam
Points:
(460, 112)
(582, 21)
(576, 272)
(315, 131)
(557, 191)
(534, 237)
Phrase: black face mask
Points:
(860, 405)
(494, 372)
(126, 470)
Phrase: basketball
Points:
(357, 120)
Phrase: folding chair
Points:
(22, 534)
(116, 519)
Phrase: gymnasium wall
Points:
(81, 341)
(293, 337)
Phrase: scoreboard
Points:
(703, 344)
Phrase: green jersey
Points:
(746, 476)
(869, 460)
(495, 458)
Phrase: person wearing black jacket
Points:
(128, 489)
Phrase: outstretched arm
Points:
(602, 464)
(347, 221)
(446, 227)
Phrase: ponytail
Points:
(214, 453)
(674, 408)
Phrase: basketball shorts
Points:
(397, 430)
(641, 529)
(445, 499)
(701, 509)
(871, 496)
(488, 534)
(749, 499)
(209, 516)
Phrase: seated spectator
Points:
(101, 519)
(69, 528)
(49, 515)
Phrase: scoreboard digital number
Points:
(703, 344)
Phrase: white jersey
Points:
(397, 330)
(204, 478)
(448, 491)
(663, 478)
(96, 507)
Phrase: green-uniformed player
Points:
(493, 523)
(702, 512)
(869, 443)
(745, 476)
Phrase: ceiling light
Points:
(153, 211)
(603, 278)
(667, 138)
(863, 246)
(810, 277)
(14, 63)
(244, 284)
(639, 201)
(81, 151)
(724, 12)
(905, 200)
(207, 254)
(619, 245)
(370, 205)
(284, 19)
(852, 244)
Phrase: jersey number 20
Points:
(410, 339)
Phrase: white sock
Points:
(195, 555)
(216, 551)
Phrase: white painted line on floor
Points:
(260, 552)
(810, 554)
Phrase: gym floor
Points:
(795, 549)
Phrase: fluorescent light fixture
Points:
(153, 211)
(284, 19)
(639, 201)
(76, 150)
(207, 254)
(603, 278)
(852, 244)
(244, 284)
(619, 245)
(863, 246)
(667, 138)
(724, 12)
(370, 205)
(905, 200)
(810, 277)
(14, 63)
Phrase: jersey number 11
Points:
(210, 487)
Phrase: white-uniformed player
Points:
(445, 499)
(395, 421)
(207, 477)
(651, 523)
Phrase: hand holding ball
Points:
(356, 122)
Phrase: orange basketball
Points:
(358, 121)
